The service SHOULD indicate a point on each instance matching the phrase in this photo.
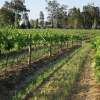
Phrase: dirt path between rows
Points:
(86, 87)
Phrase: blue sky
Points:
(36, 6)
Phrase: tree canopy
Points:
(59, 16)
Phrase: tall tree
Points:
(36, 23)
(16, 7)
(24, 22)
(74, 18)
(56, 12)
(32, 23)
(95, 16)
(6, 17)
(41, 20)
(91, 16)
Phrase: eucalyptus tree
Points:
(61, 16)
(95, 15)
(52, 10)
(41, 20)
(87, 16)
(56, 12)
(24, 22)
(36, 23)
(91, 15)
(17, 7)
(32, 22)
(6, 17)
(74, 18)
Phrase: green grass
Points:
(40, 77)
(58, 87)
(52, 68)
(96, 46)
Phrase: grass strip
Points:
(41, 78)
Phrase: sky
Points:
(35, 6)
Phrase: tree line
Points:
(59, 16)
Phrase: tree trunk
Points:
(94, 24)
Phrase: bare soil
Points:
(86, 87)
(12, 80)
